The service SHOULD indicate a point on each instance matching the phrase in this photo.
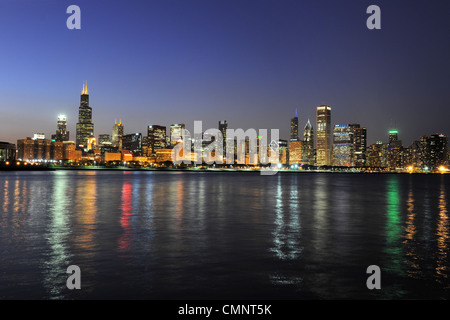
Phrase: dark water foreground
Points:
(193, 235)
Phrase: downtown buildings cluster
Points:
(341, 147)
(344, 146)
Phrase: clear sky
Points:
(250, 62)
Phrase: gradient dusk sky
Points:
(250, 62)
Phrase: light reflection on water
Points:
(183, 235)
(442, 238)
(410, 241)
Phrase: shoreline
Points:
(203, 170)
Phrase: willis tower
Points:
(85, 127)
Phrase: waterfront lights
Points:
(443, 169)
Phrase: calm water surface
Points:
(191, 235)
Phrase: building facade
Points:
(323, 136)
(85, 127)
(396, 152)
(176, 133)
(308, 144)
(359, 146)
(223, 126)
(7, 151)
(343, 145)
(133, 143)
(156, 139)
(61, 131)
(294, 128)
(438, 149)
(295, 152)
(39, 150)
(117, 135)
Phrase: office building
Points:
(323, 136)
(223, 126)
(396, 153)
(132, 143)
(156, 138)
(61, 131)
(294, 128)
(39, 150)
(308, 144)
(176, 133)
(295, 152)
(343, 145)
(85, 127)
(283, 149)
(375, 154)
(70, 153)
(104, 140)
(7, 151)
(394, 142)
(117, 135)
(359, 146)
(438, 148)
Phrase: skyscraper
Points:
(223, 126)
(438, 150)
(295, 152)
(424, 152)
(394, 142)
(85, 127)
(176, 133)
(61, 132)
(133, 143)
(156, 138)
(343, 145)
(395, 150)
(308, 144)
(104, 140)
(323, 140)
(283, 151)
(294, 128)
(117, 135)
(7, 151)
(359, 146)
(375, 155)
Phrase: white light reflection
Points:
(287, 233)
(57, 232)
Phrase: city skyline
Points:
(86, 113)
(342, 148)
(251, 63)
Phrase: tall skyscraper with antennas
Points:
(85, 127)
(117, 135)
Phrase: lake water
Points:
(193, 235)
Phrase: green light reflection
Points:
(393, 250)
